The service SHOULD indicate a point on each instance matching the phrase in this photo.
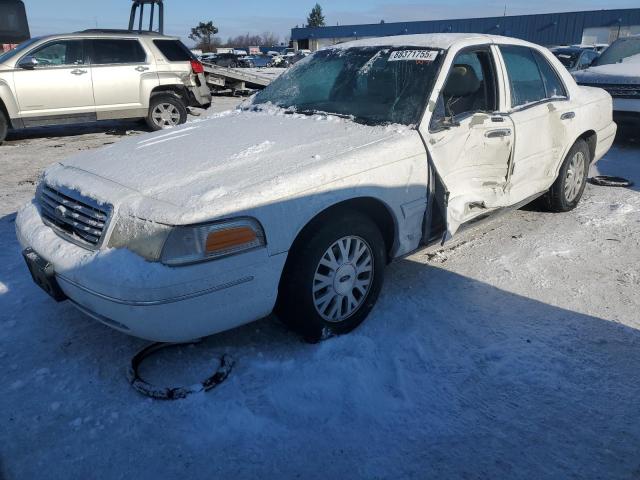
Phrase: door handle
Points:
(568, 116)
(142, 69)
(498, 133)
(77, 71)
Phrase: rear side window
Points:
(113, 52)
(552, 83)
(173, 50)
(526, 81)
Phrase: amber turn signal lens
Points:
(233, 237)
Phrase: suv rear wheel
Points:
(4, 126)
(333, 276)
(166, 111)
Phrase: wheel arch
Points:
(179, 91)
(374, 208)
(591, 138)
(5, 111)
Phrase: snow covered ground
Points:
(514, 352)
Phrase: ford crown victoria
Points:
(296, 202)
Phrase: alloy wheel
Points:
(575, 176)
(343, 278)
(166, 115)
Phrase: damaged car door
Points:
(542, 113)
(469, 142)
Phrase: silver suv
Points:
(100, 75)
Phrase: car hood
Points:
(625, 73)
(233, 160)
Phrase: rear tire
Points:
(166, 111)
(4, 127)
(333, 276)
(567, 190)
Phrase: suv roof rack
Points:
(118, 30)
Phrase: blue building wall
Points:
(544, 29)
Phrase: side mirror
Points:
(28, 63)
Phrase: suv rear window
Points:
(173, 50)
(109, 52)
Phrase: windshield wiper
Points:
(310, 112)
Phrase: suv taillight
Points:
(197, 66)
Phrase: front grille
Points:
(78, 218)
(617, 91)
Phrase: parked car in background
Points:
(231, 60)
(617, 71)
(574, 58)
(397, 142)
(278, 61)
(598, 47)
(208, 57)
(296, 58)
(99, 75)
(260, 60)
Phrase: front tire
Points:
(4, 127)
(568, 188)
(166, 111)
(333, 276)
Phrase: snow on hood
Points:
(627, 72)
(238, 157)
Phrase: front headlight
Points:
(198, 243)
(143, 237)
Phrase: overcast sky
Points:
(278, 16)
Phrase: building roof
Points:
(548, 28)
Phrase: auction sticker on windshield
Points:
(411, 55)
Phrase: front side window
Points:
(525, 79)
(470, 88)
(372, 85)
(64, 52)
(113, 52)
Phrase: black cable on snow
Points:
(173, 393)
(608, 181)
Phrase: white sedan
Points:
(296, 202)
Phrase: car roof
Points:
(434, 40)
(110, 34)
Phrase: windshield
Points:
(619, 50)
(568, 59)
(372, 85)
(20, 48)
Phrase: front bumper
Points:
(153, 301)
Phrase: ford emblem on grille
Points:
(60, 211)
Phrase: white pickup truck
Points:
(359, 154)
